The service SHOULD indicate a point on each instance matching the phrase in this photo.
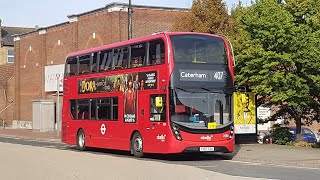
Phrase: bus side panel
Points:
(154, 132)
(63, 132)
(68, 136)
(112, 137)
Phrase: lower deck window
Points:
(94, 109)
(107, 108)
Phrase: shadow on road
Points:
(37, 143)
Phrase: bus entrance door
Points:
(154, 122)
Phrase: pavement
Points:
(279, 155)
(271, 154)
(31, 134)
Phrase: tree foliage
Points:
(277, 54)
(208, 16)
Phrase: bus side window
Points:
(162, 58)
(94, 63)
(93, 109)
(107, 108)
(105, 61)
(71, 68)
(120, 59)
(138, 55)
(157, 52)
(115, 106)
(103, 109)
(84, 62)
(83, 108)
(137, 61)
(73, 109)
(125, 57)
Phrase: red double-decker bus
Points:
(165, 93)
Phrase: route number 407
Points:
(218, 75)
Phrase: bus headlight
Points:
(176, 132)
(231, 132)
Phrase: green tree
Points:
(208, 16)
(278, 54)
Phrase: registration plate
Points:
(206, 149)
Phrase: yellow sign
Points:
(244, 112)
(88, 86)
(159, 102)
(212, 125)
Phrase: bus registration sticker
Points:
(206, 149)
(212, 125)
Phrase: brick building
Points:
(7, 79)
(50, 45)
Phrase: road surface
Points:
(30, 159)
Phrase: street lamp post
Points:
(130, 21)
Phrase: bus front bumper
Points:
(226, 146)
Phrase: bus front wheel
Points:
(137, 145)
(81, 140)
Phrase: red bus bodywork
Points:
(158, 137)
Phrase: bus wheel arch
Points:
(81, 139)
(136, 144)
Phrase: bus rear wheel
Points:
(137, 145)
(81, 140)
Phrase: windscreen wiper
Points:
(182, 89)
(213, 91)
(204, 88)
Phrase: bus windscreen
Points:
(199, 49)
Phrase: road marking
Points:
(270, 164)
(244, 162)
(206, 166)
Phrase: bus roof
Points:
(131, 41)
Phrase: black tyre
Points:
(137, 145)
(81, 140)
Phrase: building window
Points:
(10, 56)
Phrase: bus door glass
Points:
(155, 122)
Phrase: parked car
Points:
(307, 134)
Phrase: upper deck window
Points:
(138, 55)
(199, 49)
(84, 64)
(118, 58)
(94, 64)
(72, 67)
(105, 60)
(156, 52)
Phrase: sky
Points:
(29, 13)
